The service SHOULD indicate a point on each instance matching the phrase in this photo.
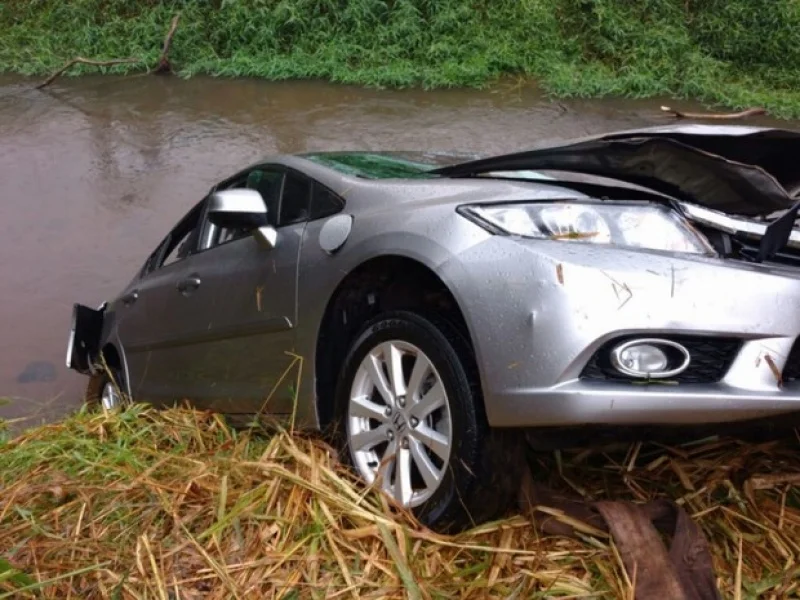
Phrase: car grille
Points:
(710, 360)
(791, 370)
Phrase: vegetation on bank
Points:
(176, 504)
(736, 52)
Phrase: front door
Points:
(243, 346)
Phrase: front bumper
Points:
(538, 311)
(579, 403)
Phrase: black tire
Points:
(485, 467)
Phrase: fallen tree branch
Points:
(86, 61)
(750, 112)
(163, 66)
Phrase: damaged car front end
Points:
(686, 312)
(739, 181)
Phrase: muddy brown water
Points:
(95, 170)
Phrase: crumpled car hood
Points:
(749, 171)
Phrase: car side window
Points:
(324, 202)
(268, 182)
(179, 243)
(296, 199)
(290, 197)
(180, 249)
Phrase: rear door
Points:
(157, 317)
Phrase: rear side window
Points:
(324, 202)
(296, 199)
(305, 199)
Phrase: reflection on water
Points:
(93, 171)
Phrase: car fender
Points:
(110, 337)
(321, 275)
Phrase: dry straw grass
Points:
(175, 504)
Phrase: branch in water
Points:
(750, 112)
(164, 65)
(86, 61)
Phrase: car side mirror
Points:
(237, 209)
(242, 209)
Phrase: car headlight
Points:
(640, 225)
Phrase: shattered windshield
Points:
(373, 165)
(385, 165)
(388, 165)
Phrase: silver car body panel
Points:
(536, 310)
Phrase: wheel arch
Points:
(379, 283)
(115, 359)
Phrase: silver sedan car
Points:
(425, 308)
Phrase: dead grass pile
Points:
(175, 504)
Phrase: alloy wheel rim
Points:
(399, 427)
(110, 398)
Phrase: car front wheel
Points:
(410, 420)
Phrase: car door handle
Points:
(189, 284)
(129, 299)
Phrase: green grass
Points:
(736, 53)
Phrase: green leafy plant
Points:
(738, 53)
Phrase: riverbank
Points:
(737, 53)
(177, 504)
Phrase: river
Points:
(95, 170)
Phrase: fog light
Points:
(650, 358)
(643, 358)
